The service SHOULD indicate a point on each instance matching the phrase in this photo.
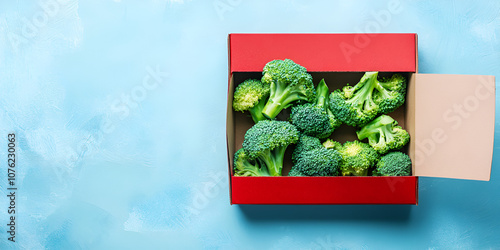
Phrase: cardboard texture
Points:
(455, 124)
(324, 56)
(410, 117)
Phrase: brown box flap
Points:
(454, 126)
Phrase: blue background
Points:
(119, 111)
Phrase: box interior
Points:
(239, 123)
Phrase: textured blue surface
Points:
(115, 152)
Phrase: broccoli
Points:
(358, 158)
(359, 104)
(319, 162)
(384, 135)
(251, 95)
(311, 158)
(267, 141)
(289, 82)
(304, 144)
(315, 119)
(393, 164)
(295, 172)
(331, 144)
(244, 166)
(390, 93)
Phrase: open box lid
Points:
(454, 125)
(450, 117)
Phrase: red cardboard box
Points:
(450, 118)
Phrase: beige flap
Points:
(454, 126)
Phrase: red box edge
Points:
(246, 199)
(230, 71)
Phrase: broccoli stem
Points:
(386, 133)
(322, 93)
(251, 170)
(278, 100)
(382, 126)
(256, 111)
(274, 160)
(364, 96)
(383, 91)
(272, 109)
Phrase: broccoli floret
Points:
(251, 95)
(391, 93)
(267, 141)
(315, 119)
(393, 164)
(357, 158)
(305, 143)
(319, 162)
(289, 82)
(244, 166)
(295, 172)
(331, 144)
(359, 104)
(311, 158)
(384, 135)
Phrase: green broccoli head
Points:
(251, 95)
(289, 82)
(384, 135)
(391, 93)
(245, 166)
(393, 164)
(267, 141)
(311, 158)
(305, 143)
(359, 104)
(295, 172)
(319, 162)
(358, 158)
(315, 119)
(331, 144)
